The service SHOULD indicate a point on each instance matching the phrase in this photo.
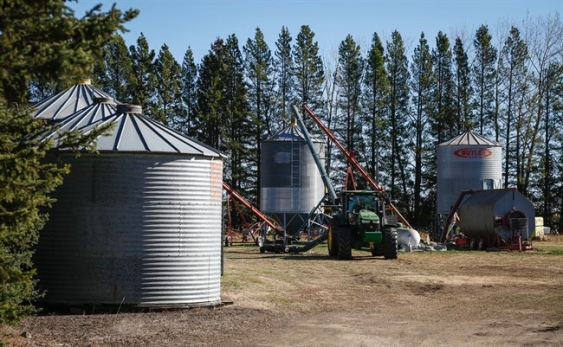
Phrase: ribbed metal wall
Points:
(134, 229)
(291, 183)
(484, 213)
(465, 167)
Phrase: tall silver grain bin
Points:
(137, 225)
(496, 216)
(69, 101)
(466, 162)
(290, 182)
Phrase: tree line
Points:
(389, 108)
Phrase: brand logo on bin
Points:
(473, 152)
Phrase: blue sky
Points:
(197, 24)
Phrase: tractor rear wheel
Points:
(390, 243)
(332, 240)
(344, 243)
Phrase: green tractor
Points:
(360, 221)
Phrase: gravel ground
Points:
(452, 298)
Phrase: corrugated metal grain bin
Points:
(487, 214)
(290, 183)
(466, 162)
(137, 225)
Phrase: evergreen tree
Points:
(238, 128)
(349, 80)
(144, 82)
(484, 74)
(349, 74)
(41, 41)
(259, 73)
(114, 74)
(513, 69)
(169, 84)
(375, 96)
(397, 66)
(209, 95)
(422, 87)
(463, 88)
(443, 121)
(552, 118)
(309, 72)
(284, 76)
(189, 95)
(25, 185)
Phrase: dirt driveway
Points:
(422, 299)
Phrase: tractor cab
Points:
(361, 222)
(361, 208)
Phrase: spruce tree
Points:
(41, 41)
(25, 185)
(189, 94)
(349, 81)
(209, 95)
(309, 72)
(397, 160)
(114, 73)
(422, 88)
(553, 117)
(349, 73)
(443, 120)
(463, 88)
(484, 74)
(144, 82)
(168, 91)
(259, 73)
(376, 89)
(513, 70)
(284, 77)
(239, 129)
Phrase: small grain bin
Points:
(466, 162)
(69, 101)
(137, 225)
(291, 185)
(497, 218)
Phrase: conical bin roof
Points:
(469, 138)
(131, 131)
(64, 104)
(292, 132)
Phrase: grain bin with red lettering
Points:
(468, 161)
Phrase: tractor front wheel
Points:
(390, 243)
(344, 243)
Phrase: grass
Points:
(553, 245)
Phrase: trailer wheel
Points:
(332, 240)
(344, 243)
(390, 243)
